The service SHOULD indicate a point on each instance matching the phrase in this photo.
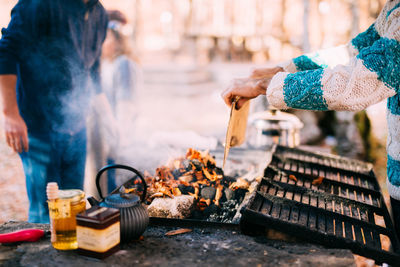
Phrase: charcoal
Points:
(239, 194)
(214, 218)
(230, 207)
(197, 215)
(186, 189)
(199, 175)
(225, 213)
(176, 173)
(229, 194)
(227, 180)
(219, 171)
(223, 198)
(186, 165)
(212, 166)
(208, 192)
(197, 164)
(212, 209)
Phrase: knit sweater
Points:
(351, 77)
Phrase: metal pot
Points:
(134, 217)
(274, 127)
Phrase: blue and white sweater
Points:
(351, 77)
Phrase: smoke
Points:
(56, 92)
(151, 129)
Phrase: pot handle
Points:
(119, 166)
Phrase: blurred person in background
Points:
(346, 78)
(121, 77)
(49, 73)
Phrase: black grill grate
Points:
(346, 210)
(338, 178)
(324, 159)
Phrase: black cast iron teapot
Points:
(134, 217)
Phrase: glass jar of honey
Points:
(63, 211)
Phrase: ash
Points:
(225, 213)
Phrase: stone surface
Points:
(178, 207)
(201, 247)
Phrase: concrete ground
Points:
(200, 247)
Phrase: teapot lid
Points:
(119, 201)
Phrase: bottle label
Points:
(59, 209)
(98, 240)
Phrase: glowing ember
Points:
(318, 180)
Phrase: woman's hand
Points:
(249, 88)
(245, 88)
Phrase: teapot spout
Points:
(93, 202)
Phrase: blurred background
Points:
(187, 51)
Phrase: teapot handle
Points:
(119, 166)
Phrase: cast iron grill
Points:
(328, 160)
(346, 210)
(335, 176)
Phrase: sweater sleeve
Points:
(332, 56)
(26, 21)
(368, 78)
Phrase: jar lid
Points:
(73, 195)
(275, 119)
(98, 217)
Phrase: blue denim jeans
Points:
(52, 157)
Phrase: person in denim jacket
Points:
(49, 72)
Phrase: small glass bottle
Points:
(64, 205)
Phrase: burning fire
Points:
(197, 175)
